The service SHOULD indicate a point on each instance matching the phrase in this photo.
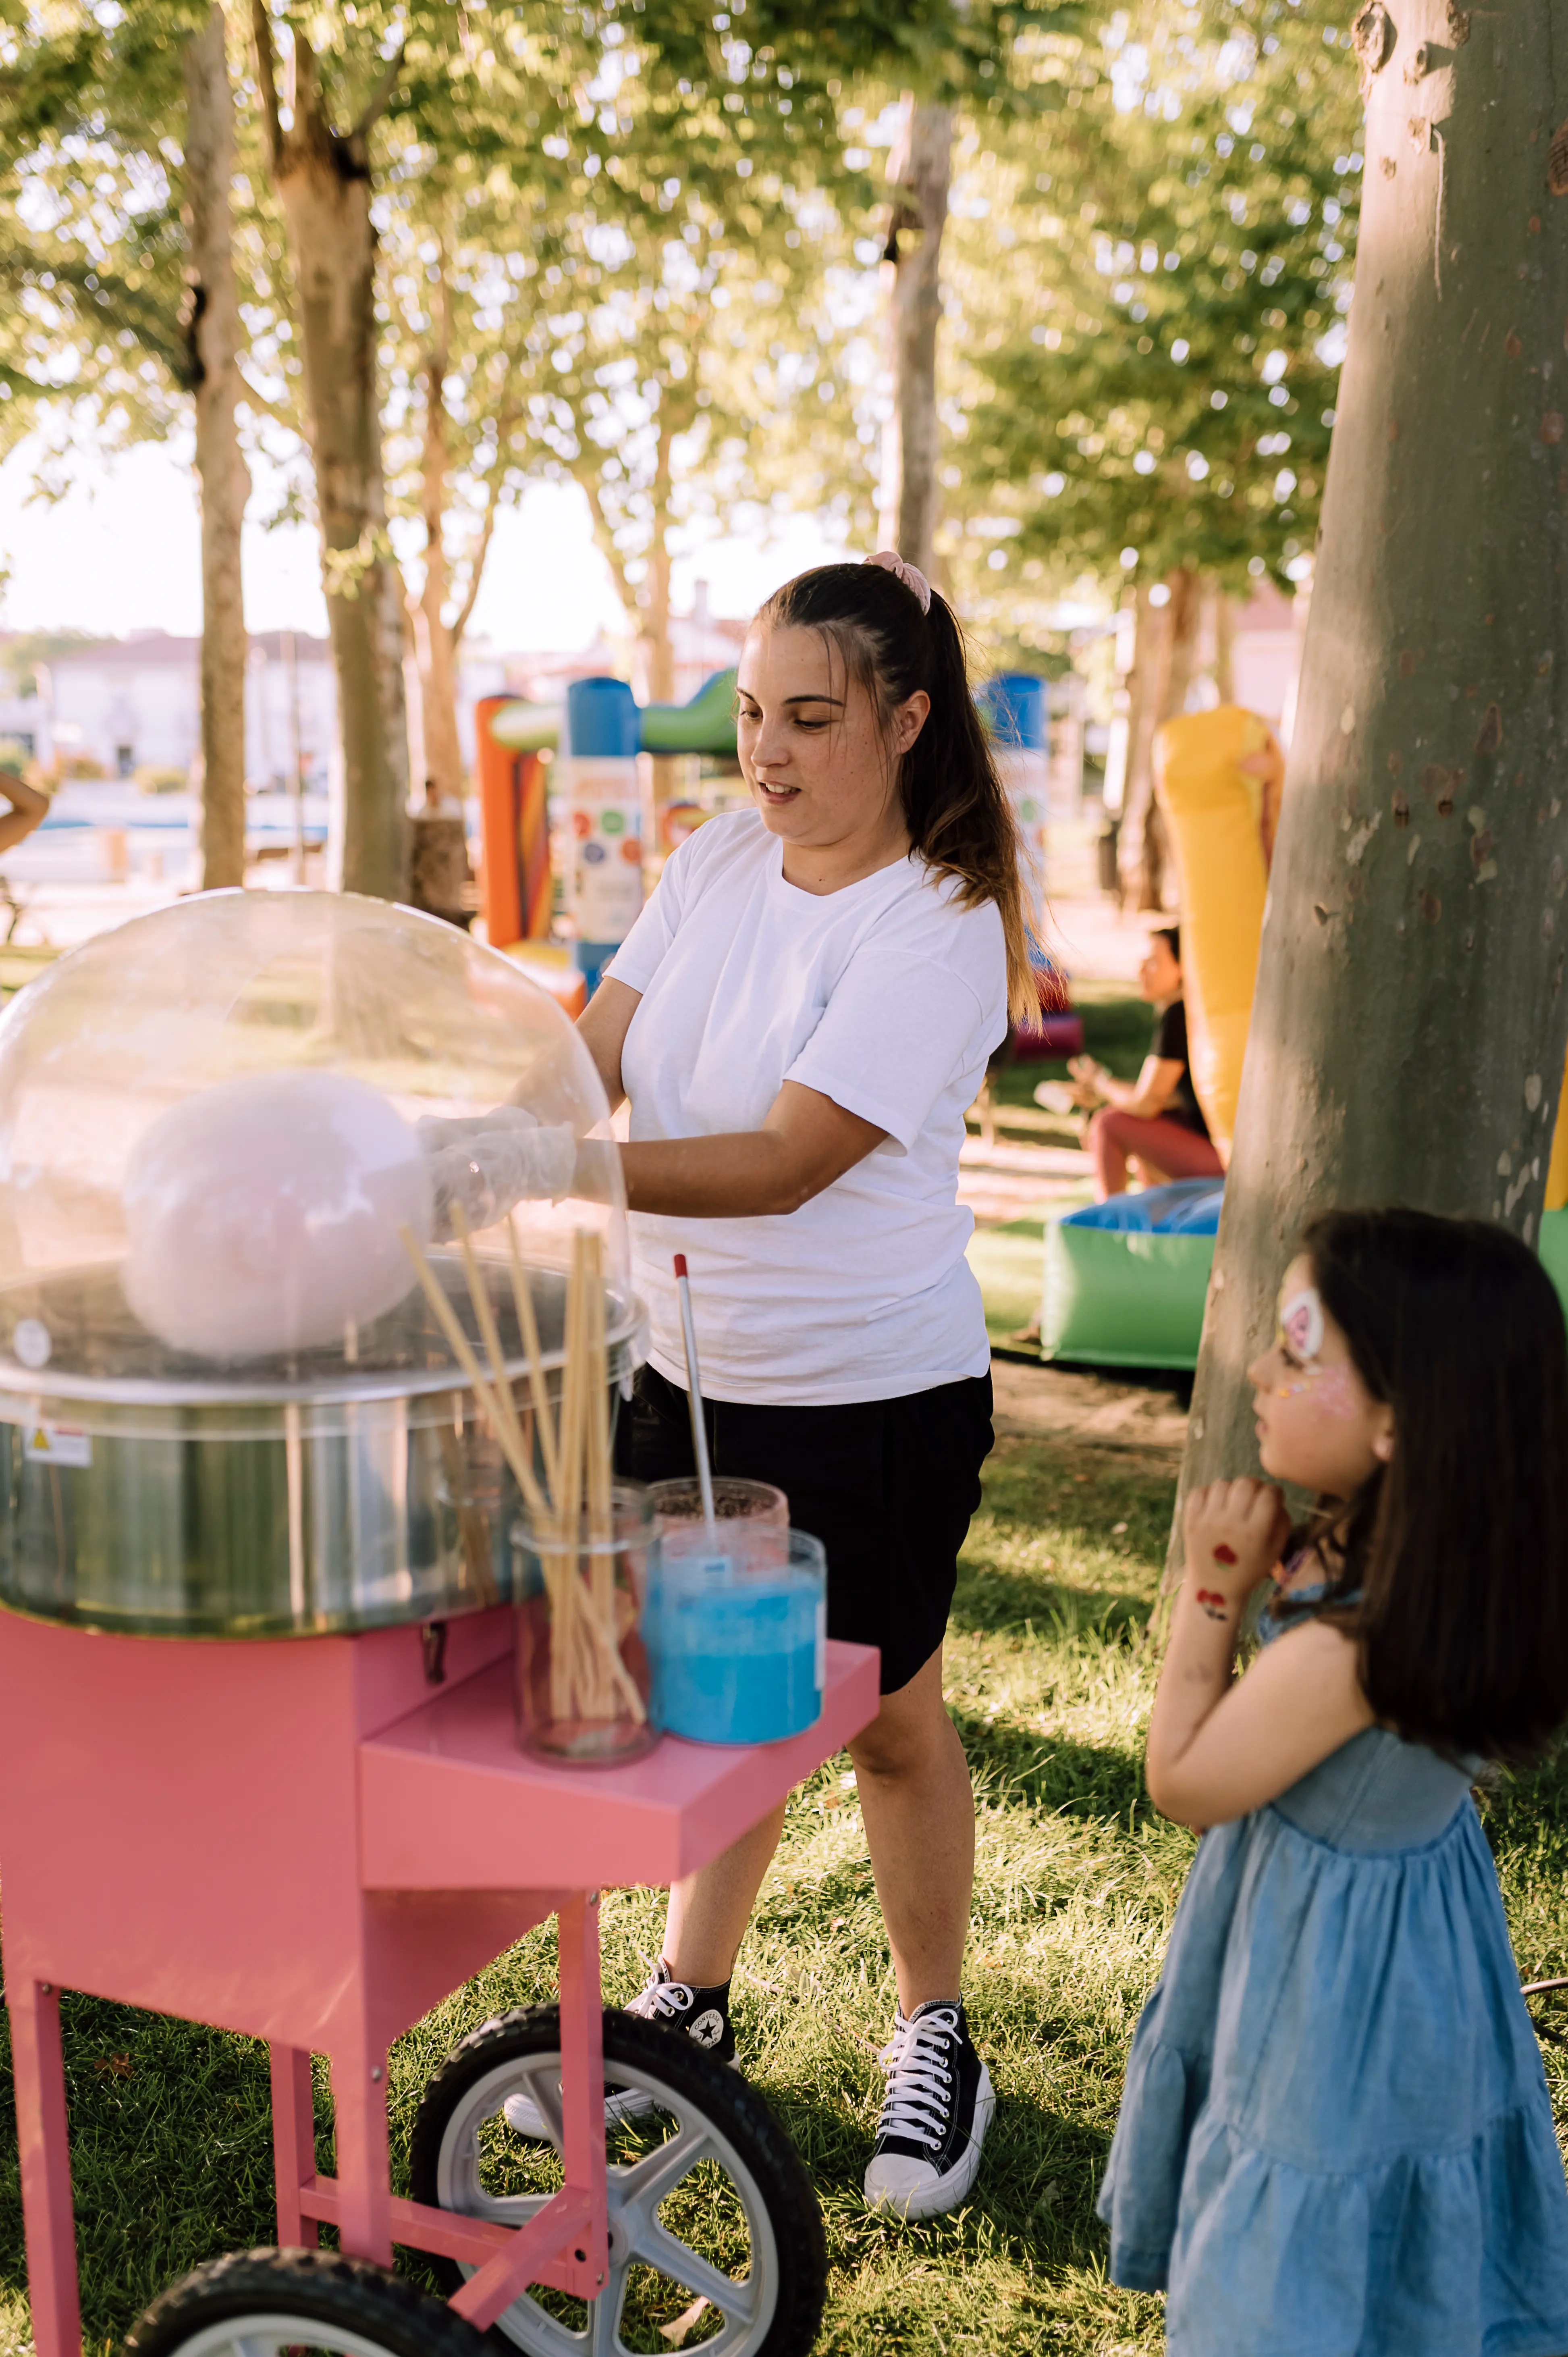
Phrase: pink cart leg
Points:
(364, 2179)
(583, 2076)
(294, 2143)
(45, 2139)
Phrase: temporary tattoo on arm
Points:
(1209, 1601)
(1223, 1554)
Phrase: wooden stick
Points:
(601, 1512)
(463, 1352)
(567, 1697)
(484, 1320)
(528, 1327)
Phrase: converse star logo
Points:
(708, 2028)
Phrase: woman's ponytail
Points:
(955, 807)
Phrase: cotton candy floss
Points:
(263, 1214)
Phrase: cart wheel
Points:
(269, 2301)
(708, 2199)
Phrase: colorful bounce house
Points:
(566, 819)
(1126, 1281)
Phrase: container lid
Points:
(224, 1125)
(602, 719)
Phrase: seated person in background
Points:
(1154, 1120)
(28, 807)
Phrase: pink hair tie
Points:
(909, 574)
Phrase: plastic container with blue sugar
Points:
(736, 1621)
(737, 1638)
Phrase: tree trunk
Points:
(1408, 1032)
(920, 168)
(223, 478)
(1224, 645)
(1148, 686)
(1183, 614)
(653, 624)
(432, 634)
(323, 182)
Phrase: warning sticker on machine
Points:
(57, 1444)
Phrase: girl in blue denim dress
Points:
(1336, 2138)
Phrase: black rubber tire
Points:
(735, 2108)
(321, 2287)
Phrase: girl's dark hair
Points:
(1458, 1546)
(956, 810)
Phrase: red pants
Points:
(1166, 1146)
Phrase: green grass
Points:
(1049, 1681)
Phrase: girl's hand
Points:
(1234, 1531)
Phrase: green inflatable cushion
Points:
(1118, 1299)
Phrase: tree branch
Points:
(264, 407)
(493, 481)
(380, 99)
(267, 77)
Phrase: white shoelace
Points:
(920, 2084)
(662, 2000)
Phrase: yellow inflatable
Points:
(1221, 820)
(1557, 1168)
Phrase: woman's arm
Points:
(806, 1142)
(1220, 1746)
(1147, 1096)
(602, 1026)
(28, 809)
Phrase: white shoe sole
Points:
(943, 2194)
(521, 2114)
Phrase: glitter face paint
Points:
(1300, 1337)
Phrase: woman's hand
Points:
(1234, 1532)
(1088, 1078)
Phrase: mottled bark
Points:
(920, 168)
(222, 477)
(322, 177)
(434, 649)
(1409, 1028)
(1224, 646)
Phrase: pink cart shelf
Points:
(305, 1841)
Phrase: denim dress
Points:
(1336, 2138)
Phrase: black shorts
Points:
(889, 1486)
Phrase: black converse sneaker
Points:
(934, 2116)
(702, 2013)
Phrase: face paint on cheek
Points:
(1333, 1395)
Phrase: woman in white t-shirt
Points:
(799, 1018)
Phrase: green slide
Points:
(706, 725)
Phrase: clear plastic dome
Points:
(222, 1127)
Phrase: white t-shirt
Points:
(887, 997)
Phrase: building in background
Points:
(132, 708)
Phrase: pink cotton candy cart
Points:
(305, 1841)
(258, 1761)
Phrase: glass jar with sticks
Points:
(582, 1543)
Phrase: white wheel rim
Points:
(636, 2238)
(267, 2332)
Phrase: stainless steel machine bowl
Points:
(337, 1483)
(303, 1499)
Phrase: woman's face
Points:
(1318, 1425)
(819, 769)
